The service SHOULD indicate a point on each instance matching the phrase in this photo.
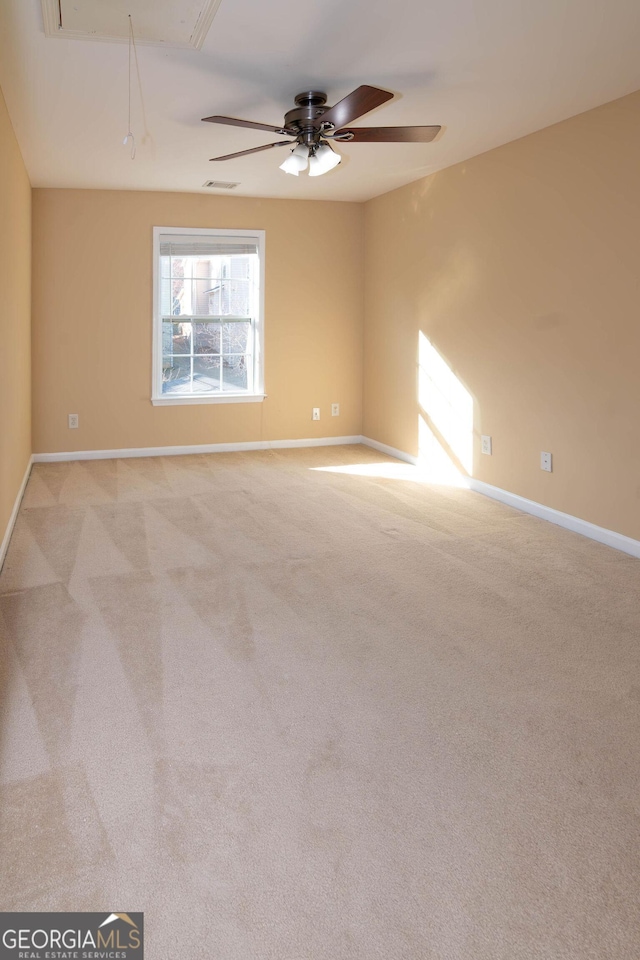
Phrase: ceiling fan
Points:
(312, 124)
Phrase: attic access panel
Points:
(174, 23)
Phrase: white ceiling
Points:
(489, 71)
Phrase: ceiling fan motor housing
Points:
(304, 118)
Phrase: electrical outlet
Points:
(316, 413)
(335, 409)
(486, 445)
(545, 461)
(73, 421)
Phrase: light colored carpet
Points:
(293, 713)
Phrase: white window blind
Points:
(184, 245)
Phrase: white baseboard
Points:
(390, 451)
(609, 537)
(197, 448)
(14, 513)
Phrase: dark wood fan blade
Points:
(233, 122)
(244, 153)
(391, 134)
(357, 103)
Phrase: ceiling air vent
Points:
(220, 184)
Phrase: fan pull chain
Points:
(132, 44)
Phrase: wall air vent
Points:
(220, 185)
(169, 23)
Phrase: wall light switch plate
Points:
(316, 413)
(486, 445)
(546, 461)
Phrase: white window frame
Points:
(258, 394)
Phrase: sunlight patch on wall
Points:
(434, 463)
(445, 423)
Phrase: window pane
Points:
(234, 373)
(176, 338)
(176, 375)
(206, 374)
(180, 301)
(235, 337)
(165, 297)
(167, 331)
(177, 266)
(229, 297)
(206, 338)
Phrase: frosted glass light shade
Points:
(297, 160)
(325, 159)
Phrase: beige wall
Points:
(15, 326)
(92, 323)
(522, 268)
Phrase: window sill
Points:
(172, 401)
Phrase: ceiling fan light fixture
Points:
(323, 160)
(297, 160)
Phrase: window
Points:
(208, 296)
